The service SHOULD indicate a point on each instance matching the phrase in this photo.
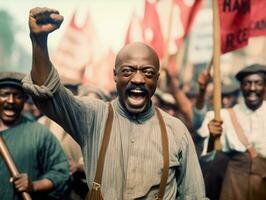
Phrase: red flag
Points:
(134, 32)
(100, 72)
(258, 18)
(235, 24)
(78, 47)
(152, 29)
(188, 13)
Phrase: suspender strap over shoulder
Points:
(241, 135)
(105, 142)
(165, 156)
(95, 192)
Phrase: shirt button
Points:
(132, 141)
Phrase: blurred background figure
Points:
(78, 187)
(230, 94)
(30, 110)
(93, 91)
(166, 102)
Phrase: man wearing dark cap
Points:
(230, 94)
(243, 137)
(36, 153)
(136, 156)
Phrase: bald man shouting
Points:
(150, 155)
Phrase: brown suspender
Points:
(241, 135)
(95, 192)
(165, 156)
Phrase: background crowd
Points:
(185, 91)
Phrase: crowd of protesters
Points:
(134, 166)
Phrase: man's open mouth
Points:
(136, 97)
(10, 112)
(252, 97)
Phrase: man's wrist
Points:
(34, 187)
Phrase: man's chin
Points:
(136, 109)
(253, 105)
(136, 106)
(9, 121)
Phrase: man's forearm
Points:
(41, 64)
(199, 104)
(42, 185)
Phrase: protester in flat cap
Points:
(230, 94)
(243, 138)
(149, 154)
(35, 151)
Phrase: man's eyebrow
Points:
(126, 65)
(147, 66)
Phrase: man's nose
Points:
(10, 98)
(138, 78)
(252, 86)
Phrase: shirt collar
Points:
(137, 118)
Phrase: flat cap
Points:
(251, 69)
(232, 88)
(11, 78)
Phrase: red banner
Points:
(100, 72)
(188, 13)
(258, 18)
(235, 23)
(152, 28)
(77, 49)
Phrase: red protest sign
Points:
(235, 23)
(258, 18)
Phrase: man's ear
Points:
(115, 75)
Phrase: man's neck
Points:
(4, 126)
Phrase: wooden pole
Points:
(169, 31)
(216, 67)
(11, 165)
(210, 64)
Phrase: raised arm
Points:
(183, 103)
(42, 21)
(203, 80)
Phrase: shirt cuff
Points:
(44, 91)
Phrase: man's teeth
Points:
(136, 91)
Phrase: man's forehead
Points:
(137, 52)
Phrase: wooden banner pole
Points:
(216, 67)
(11, 165)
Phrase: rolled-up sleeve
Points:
(54, 101)
(44, 91)
(60, 105)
